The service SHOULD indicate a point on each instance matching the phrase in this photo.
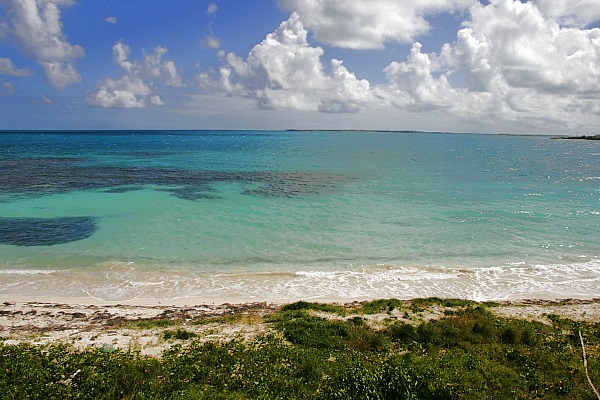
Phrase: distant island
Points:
(595, 137)
(355, 130)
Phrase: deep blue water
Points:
(287, 215)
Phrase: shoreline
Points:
(136, 285)
(207, 301)
(535, 298)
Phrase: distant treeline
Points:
(595, 137)
(354, 130)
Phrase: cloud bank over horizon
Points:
(507, 65)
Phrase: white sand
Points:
(111, 326)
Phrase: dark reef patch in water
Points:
(32, 162)
(45, 231)
(50, 176)
(122, 189)
(193, 193)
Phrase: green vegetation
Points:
(303, 305)
(151, 323)
(377, 306)
(225, 319)
(319, 351)
(179, 334)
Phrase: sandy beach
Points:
(141, 328)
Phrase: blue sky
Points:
(498, 66)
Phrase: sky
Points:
(497, 66)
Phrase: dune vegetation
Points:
(384, 349)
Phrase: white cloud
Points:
(135, 88)
(8, 68)
(164, 71)
(111, 20)
(369, 24)
(10, 88)
(509, 45)
(518, 65)
(413, 84)
(66, 3)
(510, 64)
(156, 100)
(574, 13)
(127, 92)
(204, 80)
(37, 28)
(212, 8)
(60, 74)
(285, 72)
(211, 42)
(121, 57)
(4, 30)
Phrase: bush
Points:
(377, 306)
(179, 334)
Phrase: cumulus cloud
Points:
(60, 74)
(574, 13)
(164, 71)
(518, 64)
(512, 63)
(413, 84)
(8, 68)
(37, 27)
(135, 88)
(121, 53)
(284, 71)
(525, 63)
(127, 92)
(526, 50)
(369, 24)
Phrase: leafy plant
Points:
(466, 354)
(180, 334)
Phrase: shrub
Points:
(179, 334)
(377, 306)
(303, 305)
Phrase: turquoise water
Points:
(119, 216)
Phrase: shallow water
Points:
(293, 215)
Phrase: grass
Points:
(324, 307)
(378, 306)
(227, 319)
(179, 334)
(468, 353)
(151, 323)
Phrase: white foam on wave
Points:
(27, 271)
(510, 281)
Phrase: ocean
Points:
(287, 215)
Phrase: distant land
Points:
(355, 130)
(595, 137)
